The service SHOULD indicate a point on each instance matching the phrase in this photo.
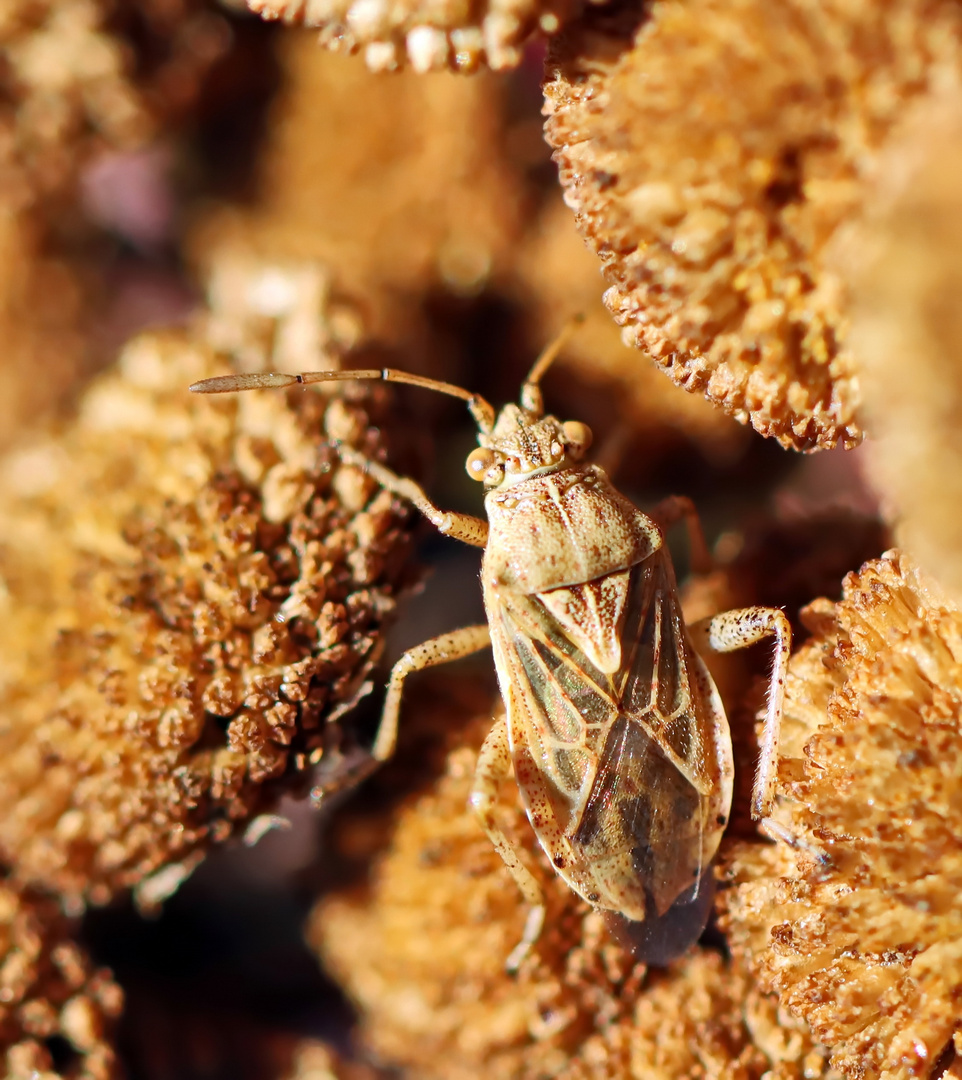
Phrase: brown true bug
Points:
(613, 727)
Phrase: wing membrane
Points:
(621, 753)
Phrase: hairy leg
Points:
(439, 650)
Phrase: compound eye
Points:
(577, 436)
(479, 461)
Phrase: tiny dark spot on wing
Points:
(559, 861)
(593, 898)
(721, 819)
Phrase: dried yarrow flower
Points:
(867, 949)
(193, 590)
(421, 950)
(557, 275)
(57, 1013)
(436, 35)
(906, 279)
(711, 150)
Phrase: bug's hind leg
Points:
(672, 510)
(439, 650)
(738, 629)
(494, 766)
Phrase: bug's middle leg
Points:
(494, 767)
(439, 650)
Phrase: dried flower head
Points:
(193, 590)
(868, 950)
(430, 35)
(711, 150)
(422, 952)
(906, 278)
(557, 276)
(56, 1012)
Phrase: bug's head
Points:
(522, 444)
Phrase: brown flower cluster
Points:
(866, 946)
(194, 589)
(711, 152)
(57, 1013)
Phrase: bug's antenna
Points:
(531, 399)
(480, 409)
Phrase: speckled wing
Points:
(615, 710)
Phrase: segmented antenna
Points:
(531, 399)
(480, 409)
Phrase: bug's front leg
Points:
(471, 530)
(439, 650)
(494, 766)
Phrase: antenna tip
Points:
(228, 384)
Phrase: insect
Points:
(613, 728)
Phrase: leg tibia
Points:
(439, 650)
(736, 630)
